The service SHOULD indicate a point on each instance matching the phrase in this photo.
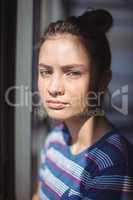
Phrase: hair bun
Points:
(99, 19)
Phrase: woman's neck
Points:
(85, 132)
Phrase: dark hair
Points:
(91, 27)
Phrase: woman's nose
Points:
(56, 86)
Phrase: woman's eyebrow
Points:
(73, 66)
(64, 67)
(45, 66)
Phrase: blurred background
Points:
(24, 125)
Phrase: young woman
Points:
(85, 157)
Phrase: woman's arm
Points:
(112, 184)
(35, 197)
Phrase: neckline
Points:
(87, 149)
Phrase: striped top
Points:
(101, 172)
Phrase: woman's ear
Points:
(105, 80)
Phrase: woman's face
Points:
(64, 76)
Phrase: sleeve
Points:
(42, 159)
(114, 183)
(41, 169)
(41, 164)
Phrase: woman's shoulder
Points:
(112, 151)
(118, 145)
(113, 176)
(55, 135)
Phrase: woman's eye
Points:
(74, 74)
(45, 73)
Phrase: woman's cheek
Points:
(40, 85)
(42, 88)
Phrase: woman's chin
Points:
(60, 115)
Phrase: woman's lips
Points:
(56, 104)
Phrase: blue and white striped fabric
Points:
(101, 172)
